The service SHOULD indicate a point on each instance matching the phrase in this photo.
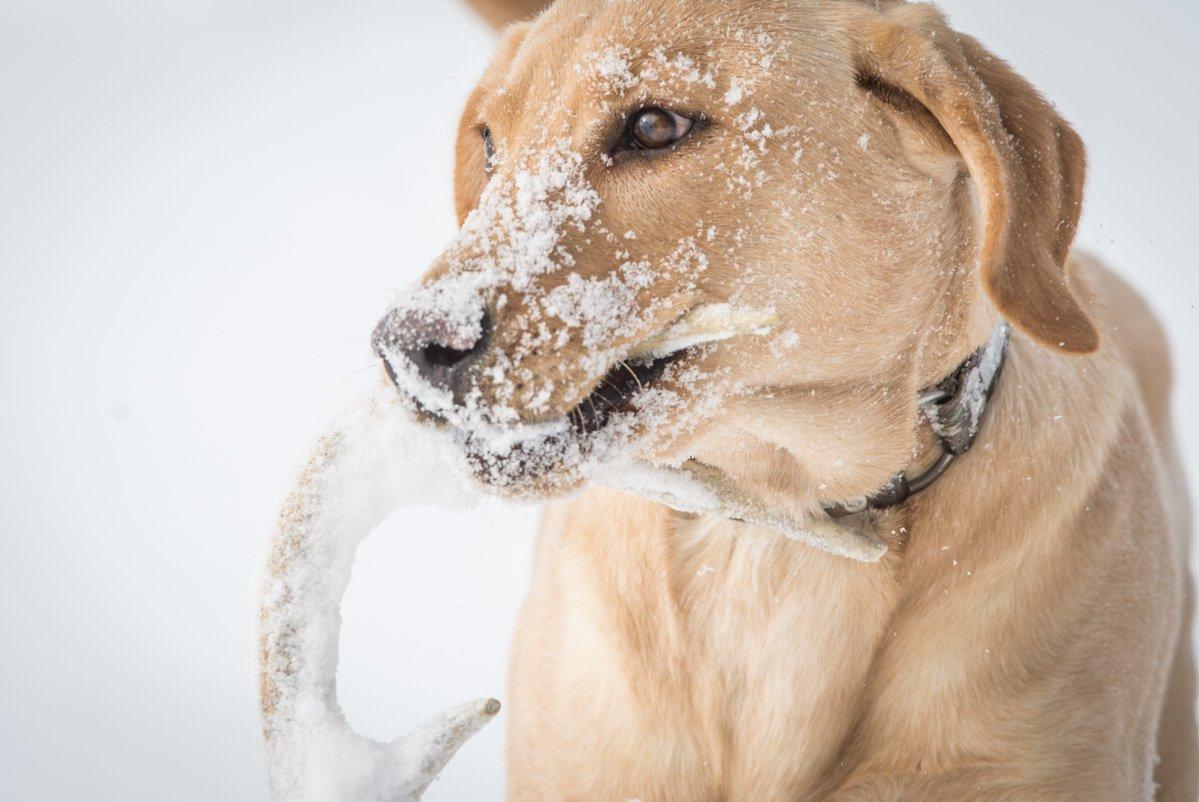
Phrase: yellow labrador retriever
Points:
(799, 272)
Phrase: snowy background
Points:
(204, 205)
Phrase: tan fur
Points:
(503, 12)
(1025, 637)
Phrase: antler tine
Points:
(705, 324)
(432, 745)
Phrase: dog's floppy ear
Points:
(502, 12)
(1026, 162)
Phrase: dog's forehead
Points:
(588, 58)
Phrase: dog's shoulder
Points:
(1131, 331)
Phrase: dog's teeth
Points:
(706, 324)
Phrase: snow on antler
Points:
(697, 489)
(371, 462)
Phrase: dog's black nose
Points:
(440, 349)
(441, 360)
(434, 357)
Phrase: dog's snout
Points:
(440, 349)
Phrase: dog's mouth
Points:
(535, 461)
(652, 358)
(618, 391)
(642, 395)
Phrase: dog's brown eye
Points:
(488, 150)
(654, 129)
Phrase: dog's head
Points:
(743, 233)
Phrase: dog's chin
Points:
(532, 470)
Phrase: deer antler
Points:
(355, 477)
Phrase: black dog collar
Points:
(954, 409)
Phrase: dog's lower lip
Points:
(616, 391)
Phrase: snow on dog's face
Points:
(693, 231)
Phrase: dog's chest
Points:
(778, 639)
(727, 663)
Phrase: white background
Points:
(204, 206)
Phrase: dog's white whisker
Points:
(632, 373)
(706, 324)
